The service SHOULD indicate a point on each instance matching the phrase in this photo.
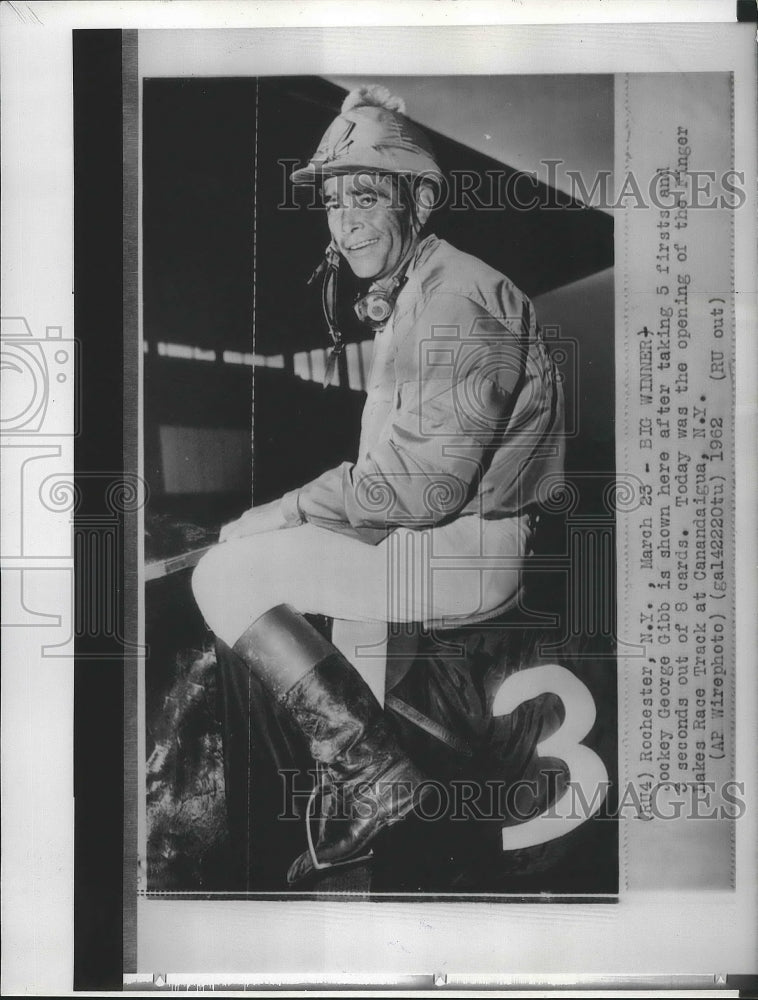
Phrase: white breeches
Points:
(441, 576)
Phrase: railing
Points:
(307, 365)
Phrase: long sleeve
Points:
(458, 368)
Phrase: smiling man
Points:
(366, 223)
(431, 523)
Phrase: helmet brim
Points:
(315, 173)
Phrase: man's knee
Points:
(224, 582)
(233, 585)
(208, 580)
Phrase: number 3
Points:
(586, 769)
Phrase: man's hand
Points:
(267, 517)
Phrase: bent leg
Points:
(313, 570)
(253, 588)
(460, 570)
(317, 571)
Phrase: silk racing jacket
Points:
(464, 413)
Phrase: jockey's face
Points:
(368, 224)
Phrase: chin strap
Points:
(373, 309)
(329, 268)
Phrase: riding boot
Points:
(266, 766)
(371, 781)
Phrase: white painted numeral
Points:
(586, 770)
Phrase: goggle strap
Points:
(329, 305)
